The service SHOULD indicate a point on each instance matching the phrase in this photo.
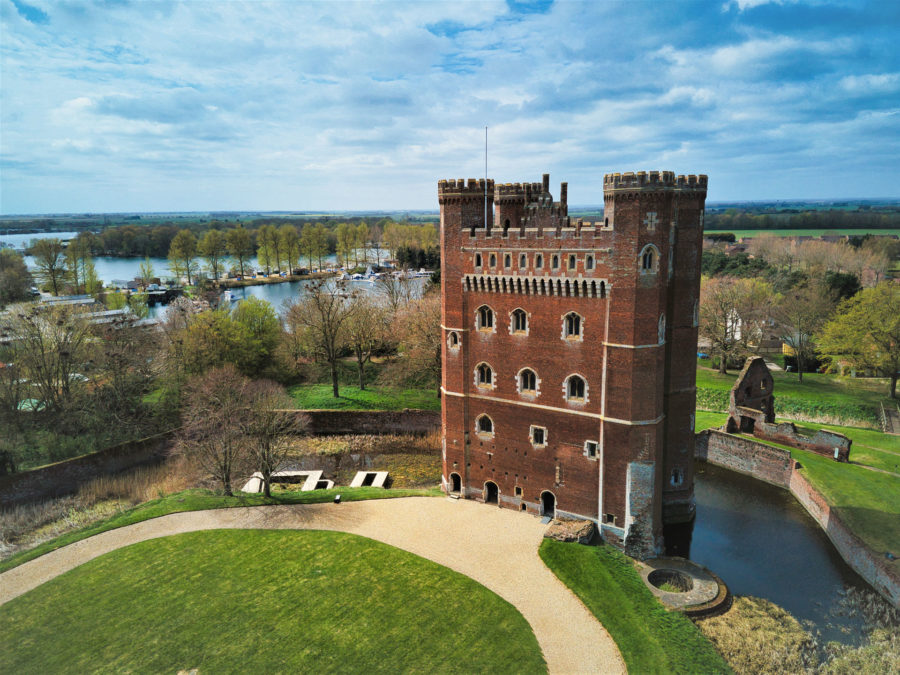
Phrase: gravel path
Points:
(496, 547)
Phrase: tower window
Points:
(527, 381)
(554, 262)
(484, 319)
(538, 435)
(493, 260)
(648, 259)
(519, 321)
(477, 260)
(589, 262)
(590, 449)
(539, 261)
(572, 327)
(573, 261)
(484, 425)
(453, 340)
(507, 261)
(484, 375)
(575, 388)
(523, 261)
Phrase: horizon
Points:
(261, 106)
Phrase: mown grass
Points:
(199, 500)
(320, 397)
(264, 601)
(650, 638)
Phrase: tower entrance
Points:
(548, 504)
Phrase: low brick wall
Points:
(776, 466)
(64, 478)
(745, 455)
(823, 442)
(871, 566)
(339, 422)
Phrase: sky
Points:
(205, 105)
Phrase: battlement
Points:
(653, 180)
(460, 187)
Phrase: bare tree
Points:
(731, 315)
(800, 314)
(419, 327)
(366, 332)
(321, 316)
(50, 260)
(213, 419)
(395, 291)
(269, 428)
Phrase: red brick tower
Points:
(568, 351)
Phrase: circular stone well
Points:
(692, 588)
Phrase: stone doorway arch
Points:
(455, 483)
(548, 504)
(491, 493)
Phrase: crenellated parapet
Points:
(461, 190)
(653, 180)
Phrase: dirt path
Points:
(496, 547)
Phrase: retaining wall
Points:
(339, 422)
(775, 466)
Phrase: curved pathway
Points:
(496, 547)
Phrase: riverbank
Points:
(261, 281)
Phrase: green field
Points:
(808, 233)
(650, 638)
(200, 500)
(319, 397)
(235, 601)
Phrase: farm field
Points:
(267, 601)
(809, 233)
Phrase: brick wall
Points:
(746, 456)
(351, 422)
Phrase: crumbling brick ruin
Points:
(752, 411)
(569, 350)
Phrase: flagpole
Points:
(485, 178)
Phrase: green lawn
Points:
(651, 638)
(319, 397)
(708, 420)
(808, 233)
(236, 601)
(200, 500)
(819, 395)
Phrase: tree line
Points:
(734, 219)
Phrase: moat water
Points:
(762, 543)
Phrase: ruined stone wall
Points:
(746, 456)
(823, 442)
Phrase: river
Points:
(761, 542)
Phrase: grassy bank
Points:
(264, 601)
(319, 397)
(650, 638)
(199, 500)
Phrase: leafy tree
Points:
(182, 254)
(146, 272)
(214, 247)
(842, 285)
(800, 314)
(865, 332)
(269, 253)
(15, 280)
(346, 242)
(78, 260)
(321, 318)
(262, 328)
(360, 241)
(289, 242)
(50, 259)
(240, 246)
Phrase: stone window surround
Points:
(591, 456)
(546, 440)
(524, 392)
(484, 434)
(654, 261)
(576, 400)
(512, 322)
(484, 386)
(450, 343)
(486, 329)
(575, 337)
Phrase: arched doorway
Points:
(548, 504)
(491, 493)
(455, 482)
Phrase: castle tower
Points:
(568, 379)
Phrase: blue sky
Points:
(156, 106)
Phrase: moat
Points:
(762, 542)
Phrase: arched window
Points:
(493, 260)
(484, 425)
(649, 258)
(589, 262)
(477, 260)
(484, 319)
(554, 262)
(484, 375)
(572, 327)
(527, 381)
(573, 261)
(602, 289)
(519, 323)
(507, 261)
(453, 340)
(576, 388)
(523, 261)
(539, 261)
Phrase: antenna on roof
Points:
(485, 178)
